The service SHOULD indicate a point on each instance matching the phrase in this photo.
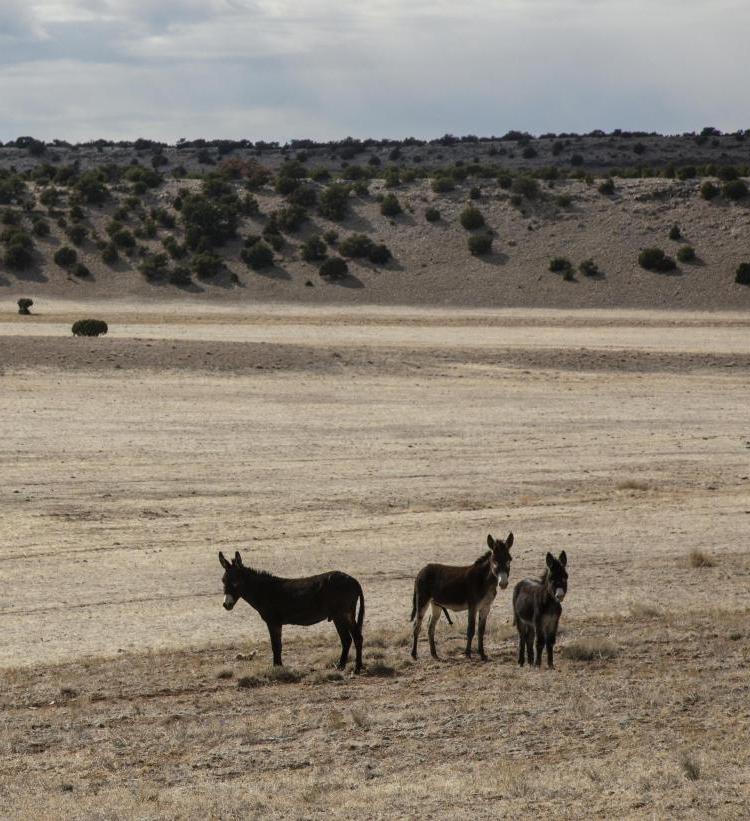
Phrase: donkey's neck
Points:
(256, 584)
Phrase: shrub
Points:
(356, 245)
(480, 244)
(18, 257)
(290, 218)
(77, 234)
(589, 268)
(91, 186)
(471, 218)
(306, 196)
(24, 305)
(576, 159)
(390, 206)
(607, 187)
(209, 222)
(475, 193)
(698, 558)
(563, 200)
(331, 237)
(675, 233)
(379, 254)
(76, 213)
(334, 268)
(593, 649)
(40, 228)
(528, 153)
(180, 276)
(525, 187)
(742, 276)
(154, 266)
(109, 254)
(735, 189)
(81, 271)
(123, 239)
(686, 253)
(89, 327)
(313, 249)
(259, 255)
(432, 215)
(560, 265)
(334, 202)
(65, 256)
(654, 259)
(709, 190)
(206, 265)
(443, 184)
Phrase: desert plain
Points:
(372, 440)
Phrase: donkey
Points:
(309, 600)
(537, 609)
(471, 588)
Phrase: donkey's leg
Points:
(356, 634)
(434, 619)
(274, 631)
(421, 607)
(550, 650)
(530, 644)
(521, 643)
(344, 630)
(470, 629)
(539, 646)
(483, 614)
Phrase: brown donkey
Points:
(471, 588)
(279, 601)
(537, 609)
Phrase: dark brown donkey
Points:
(279, 601)
(471, 588)
(537, 609)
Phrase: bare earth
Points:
(371, 440)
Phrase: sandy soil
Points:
(128, 461)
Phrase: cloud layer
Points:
(276, 69)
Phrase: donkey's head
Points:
(557, 575)
(231, 579)
(500, 558)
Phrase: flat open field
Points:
(372, 441)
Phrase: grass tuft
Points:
(633, 484)
(589, 650)
(697, 558)
(690, 766)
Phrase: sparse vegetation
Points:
(480, 244)
(432, 215)
(390, 206)
(313, 249)
(589, 649)
(589, 268)
(654, 259)
(686, 253)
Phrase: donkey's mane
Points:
(483, 558)
(251, 571)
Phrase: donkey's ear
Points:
(563, 559)
(550, 561)
(509, 540)
(490, 542)
(224, 563)
(237, 558)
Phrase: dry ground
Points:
(372, 442)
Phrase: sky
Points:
(327, 69)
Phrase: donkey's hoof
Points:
(414, 654)
(484, 658)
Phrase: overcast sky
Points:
(277, 69)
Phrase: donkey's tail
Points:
(446, 615)
(361, 616)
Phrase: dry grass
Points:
(690, 766)
(698, 558)
(634, 484)
(589, 649)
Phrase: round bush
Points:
(109, 254)
(686, 253)
(735, 189)
(40, 228)
(379, 254)
(472, 218)
(18, 256)
(334, 268)
(525, 187)
(180, 276)
(206, 265)
(89, 327)
(432, 215)
(607, 187)
(313, 249)
(654, 259)
(675, 233)
(560, 265)
(743, 273)
(24, 305)
(259, 255)
(77, 234)
(65, 256)
(390, 207)
(356, 246)
(589, 268)
(480, 244)
(709, 190)
(81, 271)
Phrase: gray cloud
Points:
(276, 69)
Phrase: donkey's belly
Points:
(455, 607)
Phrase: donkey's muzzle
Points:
(229, 602)
(559, 594)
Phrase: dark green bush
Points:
(18, 256)
(675, 233)
(24, 306)
(77, 234)
(334, 202)
(81, 271)
(356, 245)
(390, 207)
(91, 186)
(526, 187)
(65, 256)
(331, 237)
(576, 159)
(709, 190)
(742, 275)
(109, 254)
(259, 255)
(41, 228)
(379, 254)
(208, 222)
(735, 189)
(607, 187)
(206, 265)
(334, 268)
(124, 239)
(560, 265)
(475, 193)
(89, 327)
(686, 253)
(654, 259)
(563, 200)
(443, 184)
(154, 267)
(306, 196)
(76, 213)
(480, 244)
(727, 173)
(471, 218)
(432, 215)
(313, 249)
(589, 268)
(180, 276)
(290, 219)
